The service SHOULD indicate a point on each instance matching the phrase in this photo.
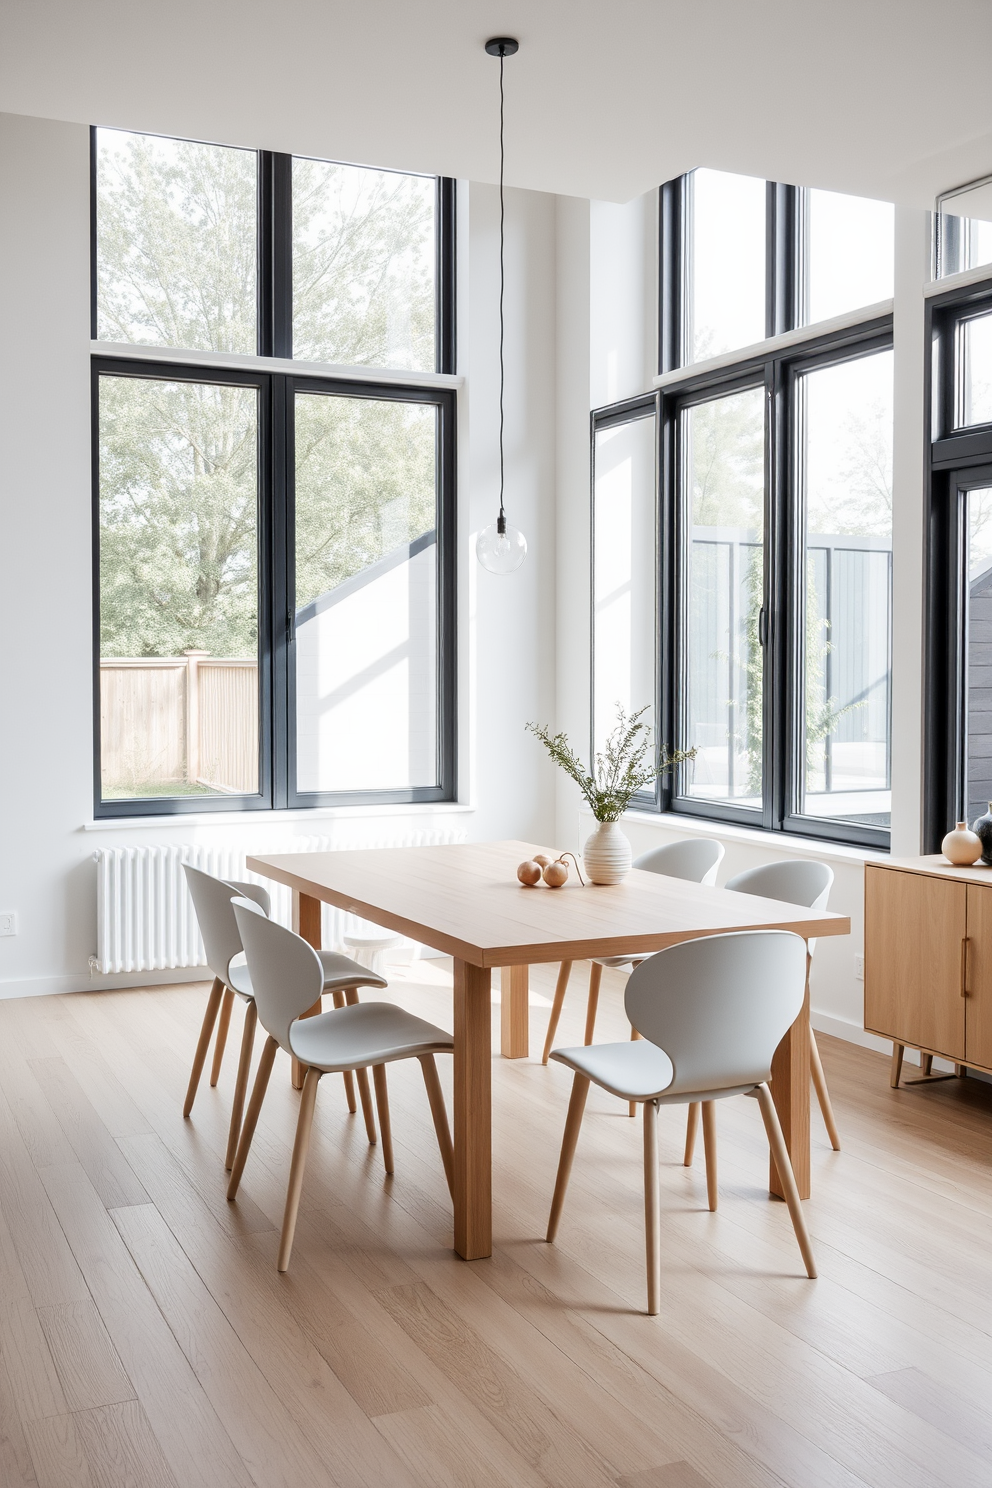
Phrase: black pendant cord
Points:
(501, 523)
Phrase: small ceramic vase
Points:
(607, 855)
(983, 827)
(961, 846)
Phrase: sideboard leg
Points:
(897, 1052)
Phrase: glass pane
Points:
(363, 266)
(725, 486)
(177, 243)
(847, 461)
(178, 588)
(978, 654)
(974, 391)
(849, 246)
(726, 242)
(625, 568)
(965, 243)
(366, 594)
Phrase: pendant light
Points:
(499, 547)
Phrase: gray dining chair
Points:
(808, 882)
(286, 976)
(696, 859)
(225, 959)
(711, 1013)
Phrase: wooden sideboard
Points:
(928, 960)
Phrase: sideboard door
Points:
(978, 1005)
(915, 926)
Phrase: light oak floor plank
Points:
(156, 1343)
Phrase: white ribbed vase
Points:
(606, 855)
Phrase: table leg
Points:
(514, 1011)
(473, 1111)
(306, 922)
(790, 1092)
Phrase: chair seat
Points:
(637, 1071)
(339, 972)
(369, 1033)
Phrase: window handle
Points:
(290, 627)
(762, 626)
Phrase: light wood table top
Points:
(465, 901)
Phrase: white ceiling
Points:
(887, 98)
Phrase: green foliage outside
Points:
(179, 461)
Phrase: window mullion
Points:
(280, 597)
(275, 254)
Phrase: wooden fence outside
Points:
(179, 720)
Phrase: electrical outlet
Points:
(859, 968)
(8, 923)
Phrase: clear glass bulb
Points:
(501, 548)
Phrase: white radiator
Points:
(145, 919)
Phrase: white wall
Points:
(506, 626)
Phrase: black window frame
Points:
(276, 387)
(959, 459)
(777, 368)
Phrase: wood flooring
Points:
(147, 1341)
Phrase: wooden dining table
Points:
(465, 901)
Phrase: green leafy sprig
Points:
(620, 771)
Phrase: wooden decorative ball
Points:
(555, 874)
(529, 873)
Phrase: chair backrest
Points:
(795, 880)
(720, 1005)
(286, 975)
(212, 902)
(696, 859)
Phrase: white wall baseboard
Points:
(52, 986)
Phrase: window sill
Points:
(790, 845)
(140, 352)
(272, 818)
(787, 341)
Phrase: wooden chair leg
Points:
(822, 1093)
(564, 972)
(382, 1106)
(223, 1025)
(440, 1115)
(241, 1085)
(340, 998)
(595, 977)
(632, 1105)
(652, 1207)
(251, 1116)
(709, 1150)
(362, 1076)
(300, 1149)
(898, 1050)
(203, 1043)
(691, 1127)
(576, 1106)
(783, 1163)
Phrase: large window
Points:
(768, 615)
(274, 550)
(958, 757)
(744, 259)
